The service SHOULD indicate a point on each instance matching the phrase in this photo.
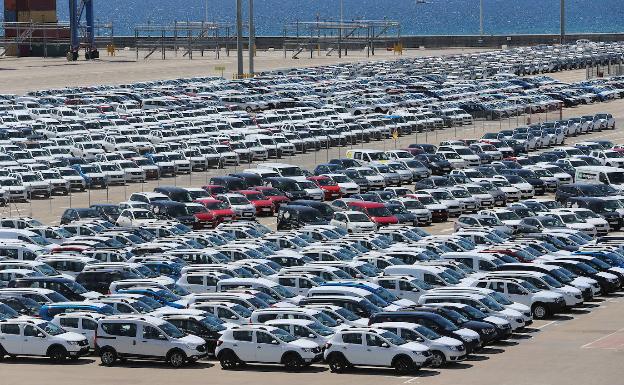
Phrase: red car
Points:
(276, 196)
(263, 205)
(331, 188)
(220, 210)
(377, 212)
(215, 190)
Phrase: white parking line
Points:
(546, 324)
(587, 345)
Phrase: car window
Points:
(373, 340)
(69, 322)
(88, 324)
(514, 289)
(242, 335)
(151, 333)
(264, 338)
(120, 329)
(12, 329)
(31, 331)
(352, 338)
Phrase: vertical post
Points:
(89, 15)
(73, 25)
(252, 38)
(239, 37)
(562, 21)
(340, 28)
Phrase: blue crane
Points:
(76, 10)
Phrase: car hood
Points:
(304, 344)
(71, 336)
(91, 295)
(415, 347)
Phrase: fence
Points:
(604, 71)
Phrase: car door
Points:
(11, 338)
(376, 351)
(353, 348)
(268, 348)
(243, 345)
(517, 293)
(153, 342)
(34, 341)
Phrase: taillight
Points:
(219, 342)
(328, 345)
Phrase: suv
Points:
(374, 347)
(117, 336)
(34, 337)
(265, 344)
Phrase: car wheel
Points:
(338, 363)
(57, 354)
(403, 365)
(293, 361)
(177, 359)
(539, 311)
(108, 357)
(228, 360)
(437, 359)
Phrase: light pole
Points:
(206, 11)
(239, 37)
(252, 37)
(562, 21)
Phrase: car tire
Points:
(338, 363)
(293, 361)
(176, 359)
(437, 359)
(539, 311)
(229, 360)
(3, 353)
(57, 354)
(108, 356)
(403, 365)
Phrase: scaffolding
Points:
(185, 38)
(338, 36)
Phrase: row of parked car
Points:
(54, 142)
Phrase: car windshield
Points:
(241, 310)
(75, 287)
(283, 335)
(616, 177)
(491, 304)
(379, 212)
(455, 316)
(448, 278)
(507, 216)
(551, 281)
(168, 295)
(347, 314)
(393, 338)
(212, 323)
(471, 311)
(321, 329)
(51, 328)
(172, 331)
(291, 171)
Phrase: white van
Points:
(349, 291)
(13, 235)
(116, 338)
(285, 170)
(474, 260)
(201, 281)
(369, 156)
(600, 175)
(20, 250)
(432, 275)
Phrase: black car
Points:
(100, 280)
(487, 331)
(175, 211)
(403, 215)
(288, 186)
(22, 305)
(435, 322)
(436, 163)
(251, 179)
(73, 215)
(231, 183)
(427, 148)
(108, 212)
(293, 216)
(346, 162)
(539, 186)
(358, 178)
(207, 327)
(573, 190)
(68, 288)
(433, 182)
(176, 194)
(327, 212)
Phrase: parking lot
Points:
(577, 347)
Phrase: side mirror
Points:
(275, 342)
(162, 337)
(234, 317)
(385, 345)
(311, 335)
(41, 335)
(416, 289)
(419, 339)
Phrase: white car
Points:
(132, 172)
(347, 186)
(374, 347)
(265, 344)
(36, 337)
(116, 338)
(601, 224)
(136, 217)
(84, 323)
(241, 206)
(353, 222)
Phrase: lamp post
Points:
(252, 37)
(239, 37)
(562, 21)
(481, 17)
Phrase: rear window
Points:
(120, 329)
(352, 338)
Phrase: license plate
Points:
(247, 214)
(266, 209)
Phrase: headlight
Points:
(488, 331)
(418, 353)
(72, 342)
(306, 350)
(452, 347)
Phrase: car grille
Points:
(83, 343)
(316, 350)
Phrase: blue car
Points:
(168, 269)
(163, 296)
(48, 311)
(92, 175)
